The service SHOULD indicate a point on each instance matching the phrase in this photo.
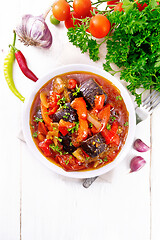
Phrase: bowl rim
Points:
(68, 69)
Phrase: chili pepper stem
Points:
(14, 38)
(13, 47)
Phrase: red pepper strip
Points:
(45, 117)
(80, 105)
(72, 83)
(70, 163)
(109, 134)
(64, 126)
(82, 130)
(45, 147)
(23, 65)
(104, 115)
(98, 103)
(42, 131)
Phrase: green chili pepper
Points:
(8, 71)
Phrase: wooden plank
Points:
(155, 176)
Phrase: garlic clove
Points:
(137, 163)
(140, 146)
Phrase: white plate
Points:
(129, 105)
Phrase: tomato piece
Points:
(61, 10)
(80, 105)
(99, 26)
(82, 7)
(140, 6)
(109, 134)
(72, 83)
(45, 147)
(71, 21)
(104, 115)
(82, 130)
(42, 129)
(70, 163)
(118, 7)
(116, 139)
(53, 99)
(64, 126)
(99, 101)
(113, 2)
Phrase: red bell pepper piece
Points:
(104, 115)
(82, 130)
(72, 83)
(80, 105)
(45, 116)
(109, 134)
(64, 126)
(45, 147)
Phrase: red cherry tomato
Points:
(114, 2)
(118, 7)
(99, 26)
(140, 6)
(61, 10)
(72, 83)
(70, 22)
(82, 7)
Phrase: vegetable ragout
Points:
(79, 121)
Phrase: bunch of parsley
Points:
(133, 45)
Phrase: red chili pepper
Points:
(23, 65)
(72, 83)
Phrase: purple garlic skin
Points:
(140, 146)
(137, 163)
(34, 31)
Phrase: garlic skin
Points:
(34, 31)
(137, 163)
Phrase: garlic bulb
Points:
(34, 31)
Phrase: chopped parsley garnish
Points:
(66, 162)
(59, 139)
(119, 97)
(113, 118)
(90, 125)
(55, 148)
(61, 102)
(35, 134)
(87, 158)
(75, 128)
(126, 124)
(38, 119)
(108, 126)
(77, 91)
(66, 115)
(105, 159)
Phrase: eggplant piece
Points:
(90, 89)
(66, 142)
(67, 114)
(94, 145)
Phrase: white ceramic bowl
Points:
(126, 97)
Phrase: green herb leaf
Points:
(38, 119)
(35, 135)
